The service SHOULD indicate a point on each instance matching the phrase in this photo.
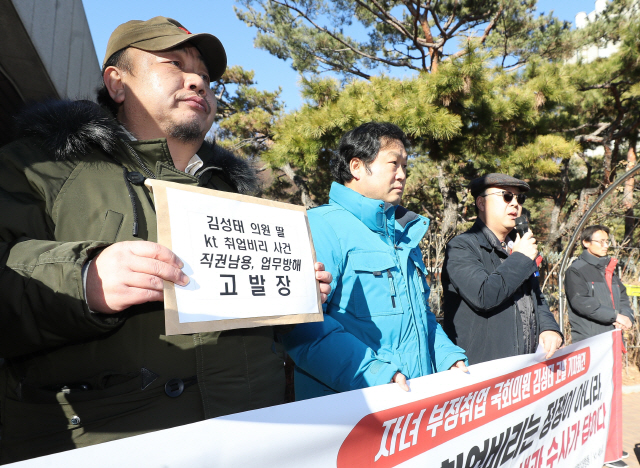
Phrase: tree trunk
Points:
(606, 166)
(434, 52)
(301, 185)
(587, 180)
(629, 184)
(450, 205)
(575, 217)
(560, 199)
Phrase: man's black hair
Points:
(589, 231)
(364, 142)
(120, 60)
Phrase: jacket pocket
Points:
(50, 414)
(374, 286)
(111, 226)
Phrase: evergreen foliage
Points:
(487, 86)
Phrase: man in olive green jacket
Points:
(82, 322)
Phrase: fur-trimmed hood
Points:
(69, 129)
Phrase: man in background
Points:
(598, 300)
(493, 306)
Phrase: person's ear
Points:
(113, 80)
(585, 244)
(481, 204)
(356, 166)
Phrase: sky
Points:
(218, 18)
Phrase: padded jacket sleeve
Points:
(546, 320)
(326, 350)
(446, 353)
(42, 297)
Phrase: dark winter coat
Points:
(480, 282)
(592, 310)
(72, 377)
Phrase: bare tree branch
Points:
(579, 127)
(607, 85)
(593, 137)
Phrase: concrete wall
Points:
(60, 34)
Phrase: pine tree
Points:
(245, 119)
(606, 107)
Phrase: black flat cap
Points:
(479, 184)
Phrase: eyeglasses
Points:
(602, 242)
(508, 196)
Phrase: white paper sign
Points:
(244, 260)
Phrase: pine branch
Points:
(460, 53)
(466, 21)
(339, 67)
(385, 16)
(566, 130)
(346, 44)
(453, 15)
(575, 217)
(491, 25)
(519, 64)
(607, 85)
(433, 49)
(625, 131)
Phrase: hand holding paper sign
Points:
(324, 278)
(130, 273)
(250, 261)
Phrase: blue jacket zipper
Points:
(392, 288)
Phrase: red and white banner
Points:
(519, 412)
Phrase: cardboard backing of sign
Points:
(172, 323)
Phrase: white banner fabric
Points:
(516, 412)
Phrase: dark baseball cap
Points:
(159, 34)
(479, 184)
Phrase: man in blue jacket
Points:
(378, 327)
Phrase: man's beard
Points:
(186, 132)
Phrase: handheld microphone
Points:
(522, 225)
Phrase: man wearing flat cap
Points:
(493, 306)
(86, 357)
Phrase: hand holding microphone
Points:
(525, 242)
